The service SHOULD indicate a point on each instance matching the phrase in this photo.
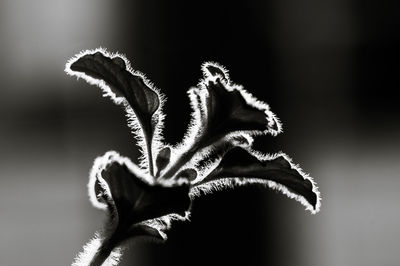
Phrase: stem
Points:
(147, 128)
(100, 258)
(182, 160)
(102, 254)
(179, 163)
(150, 159)
(187, 156)
(114, 240)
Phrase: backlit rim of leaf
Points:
(198, 96)
(234, 181)
(198, 102)
(100, 164)
(223, 76)
(163, 224)
(220, 71)
(204, 161)
(90, 249)
(133, 121)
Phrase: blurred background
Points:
(328, 69)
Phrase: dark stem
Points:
(102, 253)
(146, 129)
(183, 159)
(150, 159)
(187, 156)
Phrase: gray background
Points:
(329, 70)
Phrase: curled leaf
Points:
(113, 74)
(226, 108)
(134, 196)
(136, 201)
(123, 84)
(241, 166)
(222, 111)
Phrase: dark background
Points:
(328, 69)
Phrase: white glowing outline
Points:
(198, 97)
(231, 182)
(133, 122)
(102, 162)
(90, 249)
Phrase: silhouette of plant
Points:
(143, 200)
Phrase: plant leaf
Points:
(242, 166)
(222, 112)
(223, 109)
(163, 158)
(188, 174)
(112, 73)
(137, 201)
(229, 108)
(123, 83)
(133, 196)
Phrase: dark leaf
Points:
(240, 164)
(111, 73)
(229, 112)
(113, 70)
(135, 200)
(163, 158)
(224, 109)
(221, 113)
(188, 174)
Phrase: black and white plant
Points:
(216, 153)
